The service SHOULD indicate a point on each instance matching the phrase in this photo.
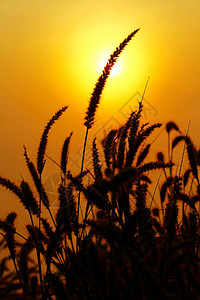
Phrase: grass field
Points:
(107, 239)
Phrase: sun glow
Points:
(116, 69)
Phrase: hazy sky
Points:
(50, 54)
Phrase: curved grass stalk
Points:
(94, 102)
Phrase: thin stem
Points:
(197, 248)
(145, 88)
(23, 238)
(17, 271)
(155, 190)
(52, 218)
(168, 146)
(82, 163)
(2, 235)
(183, 151)
(53, 161)
(169, 154)
(86, 215)
(38, 250)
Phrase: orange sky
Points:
(50, 52)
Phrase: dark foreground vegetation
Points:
(117, 245)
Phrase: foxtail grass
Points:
(95, 98)
(123, 247)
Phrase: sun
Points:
(116, 69)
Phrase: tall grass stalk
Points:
(94, 102)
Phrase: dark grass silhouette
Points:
(121, 248)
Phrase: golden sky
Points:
(50, 55)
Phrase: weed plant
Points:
(120, 247)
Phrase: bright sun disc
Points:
(115, 69)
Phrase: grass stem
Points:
(79, 194)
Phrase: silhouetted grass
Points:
(122, 247)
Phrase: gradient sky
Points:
(50, 53)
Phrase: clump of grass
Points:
(95, 98)
(122, 247)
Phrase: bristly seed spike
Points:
(44, 139)
(96, 94)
